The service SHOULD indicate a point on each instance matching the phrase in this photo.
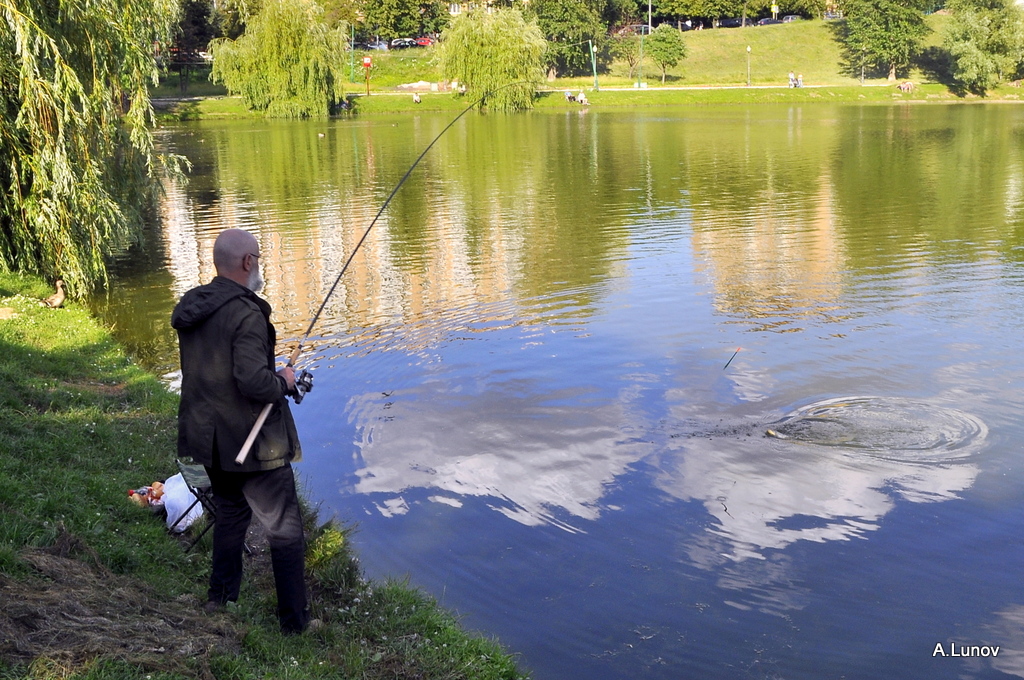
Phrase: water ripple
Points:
(896, 429)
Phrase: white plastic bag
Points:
(177, 499)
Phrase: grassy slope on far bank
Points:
(713, 73)
(94, 587)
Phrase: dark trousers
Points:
(271, 496)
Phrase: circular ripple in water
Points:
(897, 429)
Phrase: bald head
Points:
(236, 257)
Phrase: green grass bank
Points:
(608, 98)
(95, 588)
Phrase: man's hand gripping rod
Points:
(303, 384)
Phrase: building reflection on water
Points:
(300, 267)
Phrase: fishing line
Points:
(383, 207)
(244, 452)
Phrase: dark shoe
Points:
(297, 625)
(213, 607)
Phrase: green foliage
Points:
(232, 15)
(666, 47)
(77, 178)
(342, 11)
(288, 64)
(985, 42)
(198, 25)
(392, 18)
(434, 17)
(567, 25)
(495, 52)
(811, 8)
(882, 35)
(620, 12)
(326, 547)
(196, 28)
(735, 8)
(626, 47)
(700, 8)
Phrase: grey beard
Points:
(255, 283)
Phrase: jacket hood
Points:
(199, 304)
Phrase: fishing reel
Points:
(303, 384)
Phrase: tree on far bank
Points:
(883, 35)
(626, 47)
(666, 47)
(985, 41)
(434, 17)
(616, 13)
(391, 18)
(287, 64)
(338, 12)
(695, 8)
(197, 26)
(567, 25)
(232, 15)
(78, 171)
(811, 8)
(497, 52)
(711, 8)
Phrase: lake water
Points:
(529, 398)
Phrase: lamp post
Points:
(643, 31)
(352, 53)
(748, 65)
(593, 63)
(640, 66)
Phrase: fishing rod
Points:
(304, 381)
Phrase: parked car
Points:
(402, 43)
(375, 45)
(424, 41)
(833, 16)
(735, 22)
(789, 18)
(768, 21)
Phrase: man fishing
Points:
(226, 344)
(234, 418)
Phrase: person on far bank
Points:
(226, 344)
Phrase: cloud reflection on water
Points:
(545, 458)
(766, 494)
(1007, 631)
(537, 459)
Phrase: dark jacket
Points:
(226, 342)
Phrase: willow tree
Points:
(985, 42)
(77, 173)
(288, 64)
(498, 53)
